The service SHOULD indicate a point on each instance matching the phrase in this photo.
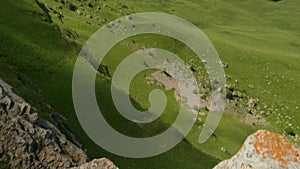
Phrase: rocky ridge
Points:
(264, 149)
(28, 141)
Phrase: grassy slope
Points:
(257, 40)
(265, 53)
(34, 56)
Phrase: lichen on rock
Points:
(264, 149)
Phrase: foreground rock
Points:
(266, 150)
(27, 141)
(101, 163)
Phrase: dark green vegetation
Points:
(40, 40)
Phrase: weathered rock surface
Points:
(264, 150)
(27, 141)
(101, 163)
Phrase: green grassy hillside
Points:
(40, 41)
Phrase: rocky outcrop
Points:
(266, 150)
(27, 141)
(101, 163)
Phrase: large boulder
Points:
(264, 150)
(102, 163)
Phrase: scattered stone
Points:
(129, 17)
(60, 16)
(223, 149)
(124, 6)
(103, 69)
(237, 94)
(90, 5)
(88, 22)
(78, 12)
(290, 131)
(192, 68)
(202, 113)
(89, 16)
(223, 64)
(72, 7)
(252, 103)
(69, 33)
(229, 87)
(204, 61)
(251, 86)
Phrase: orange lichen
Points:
(277, 147)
